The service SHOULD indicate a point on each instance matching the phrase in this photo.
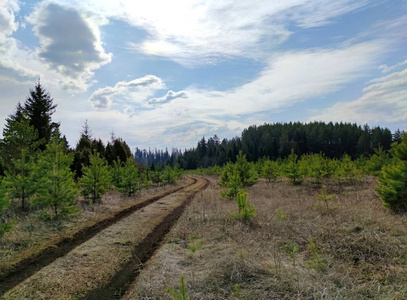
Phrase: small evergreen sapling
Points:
(182, 293)
(325, 197)
(95, 181)
(246, 210)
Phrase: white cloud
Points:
(171, 95)
(70, 43)
(287, 79)
(10, 68)
(384, 100)
(204, 31)
(8, 9)
(387, 69)
(125, 95)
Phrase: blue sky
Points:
(165, 73)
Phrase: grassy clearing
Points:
(94, 262)
(294, 248)
(31, 233)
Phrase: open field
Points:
(356, 249)
(34, 243)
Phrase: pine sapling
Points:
(325, 197)
(291, 249)
(182, 293)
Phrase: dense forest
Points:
(275, 141)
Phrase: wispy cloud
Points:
(171, 95)
(384, 100)
(193, 33)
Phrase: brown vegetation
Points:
(356, 249)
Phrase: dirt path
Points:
(29, 266)
(101, 267)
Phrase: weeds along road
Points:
(104, 262)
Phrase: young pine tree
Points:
(130, 177)
(56, 186)
(292, 168)
(95, 181)
(20, 181)
(271, 170)
(393, 179)
(116, 172)
(5, 226)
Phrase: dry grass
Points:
(361, 246)
(31, 234)
(94, 262)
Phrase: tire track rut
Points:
(119, 283)
(29, 266)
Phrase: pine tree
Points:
(18, 135)
(20, 181)
(5, 226)
(393, 179)
(246, 170)
(39, 108)
(271, 170)
(95, 181)
(56, 187)
(130, 177)
(292, 168)
(116, 171)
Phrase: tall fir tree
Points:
(39, 108)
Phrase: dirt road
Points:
(101, 266)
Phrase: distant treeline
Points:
(276, 141)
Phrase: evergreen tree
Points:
(130, 177)
(5, 225)
(271, 170)
(39, 108)
(292, 168)
(18, 135)
(95, 181)
(116, 172)
(20, 181)
(56, 186)
(83, 150)
(393, 179)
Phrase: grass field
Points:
(294, 247)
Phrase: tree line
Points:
(275, 141)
